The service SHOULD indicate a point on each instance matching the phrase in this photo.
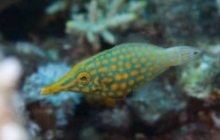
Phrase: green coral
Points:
(64, 5)
(102, 18)
(197, 78)
(57, 6)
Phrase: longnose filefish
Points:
(124, 68)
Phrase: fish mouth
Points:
(50, 90)
(46, 91)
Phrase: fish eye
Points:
(198, 52)
(195, 52)
(83, 78)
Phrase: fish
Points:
(118, 71)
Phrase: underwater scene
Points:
(109, 69)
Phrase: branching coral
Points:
(57, 6)
(64, 103)
(64, 5)
(103, 16)
(28, 49)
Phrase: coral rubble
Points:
(156, 104)
(64, 103)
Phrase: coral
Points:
(196, 131)
(11, 105)
(103, 17)
(55, 7)
(186, 20)
(117, 118)
(197, 77)
(29, 54)
(89, 133)
(33, 128)
(64, 5)
(64, 102)
(218, 6)
(28, 49)
(157, 102)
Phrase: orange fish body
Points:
(120, 70)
